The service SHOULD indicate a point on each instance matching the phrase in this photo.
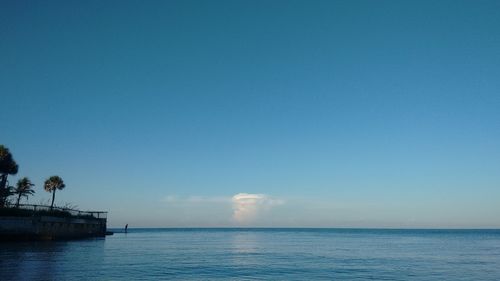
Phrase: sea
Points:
(260, 254)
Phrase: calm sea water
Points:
(270, 254)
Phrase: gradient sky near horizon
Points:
(258, 113)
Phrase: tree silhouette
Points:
(8, 166)
(52, 184)
(23, 188)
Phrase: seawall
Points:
(50, 228)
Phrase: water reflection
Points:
(30, 260)
(245, 247)
(49, 260)
(266, 254)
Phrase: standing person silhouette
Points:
(126, 228)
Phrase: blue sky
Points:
(321, 113)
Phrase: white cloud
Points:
(170, 199)
(196, 199)
(209, 199)
(247, 207)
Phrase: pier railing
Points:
(63, 211)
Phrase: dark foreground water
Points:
(271, 254)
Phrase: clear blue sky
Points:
(333, 113)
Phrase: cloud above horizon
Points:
(242, 208)
(196, 199)
(247, 206)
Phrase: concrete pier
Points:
(50, 228)
(36, 222)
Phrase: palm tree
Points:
(23, 188)
(4, 194)
(8, 166)
(52, 184)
